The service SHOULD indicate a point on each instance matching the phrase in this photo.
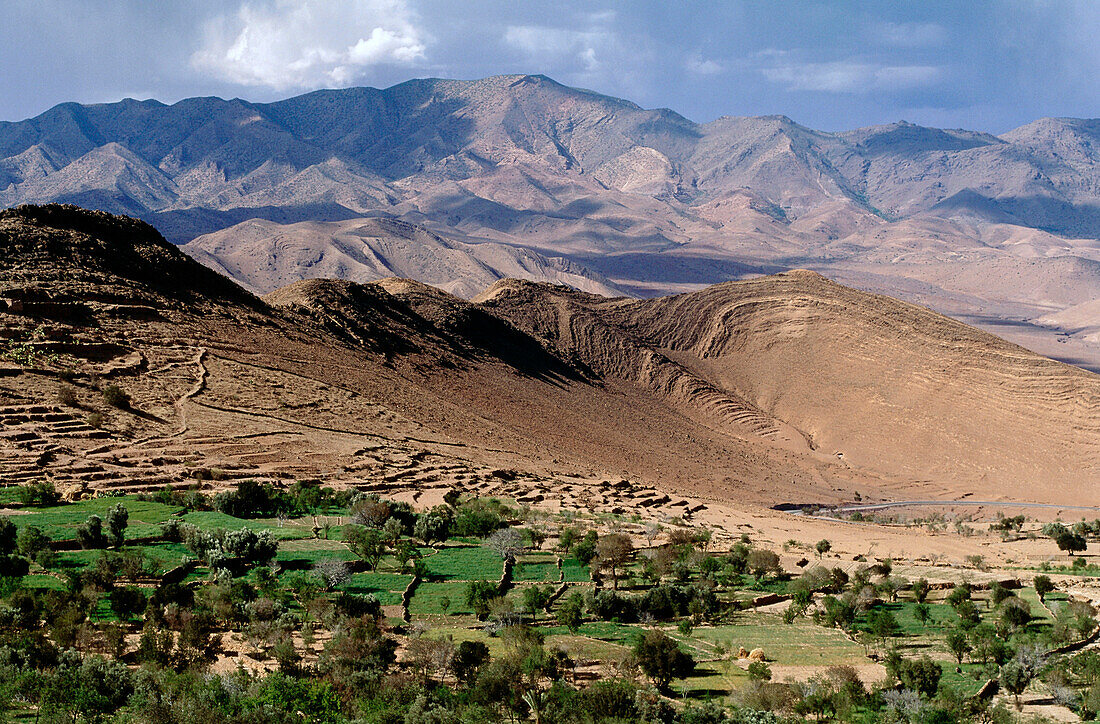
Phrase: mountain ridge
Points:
(647, 199)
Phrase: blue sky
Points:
(832, 65)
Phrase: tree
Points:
(31, 541)
(838, 613)
(920, 590)
(883, 625)
(571, 612)
(117, 519)
(968, 614)
(535, 598)
(127, 602)
(404, 553)
(478, 596)
(920, 675)
(823, 546)
(958, 644)
(537, 535)
(1071, 542)
(469, 657)
(585, 550)
(367, 543)
(1016, 677)
(90, 533)
(370, 512)
(40, 494)
(922, 613)
(613, 552)
(9, 533)
(333, 572)
(1016, 612)
(434, 525)
(958, 595)
(1043, 586)
(505, 542)
(661, 659)
(761, 562)
(567, 538)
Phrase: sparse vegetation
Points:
(115, 396)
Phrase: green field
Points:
(160, 557)
(428, 597)
(535, 572)
(60, 522)
(305, 553)
(464, 563)
(290, 530)
(386, 587)
(802, 643)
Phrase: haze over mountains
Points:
(598, 193)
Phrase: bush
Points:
(8, 536)
(585, 550)
(127, 602)
(115, 396)
(96, 419)
(117, 519)
(66, 396)
(661, 658)
(90, 533)
(477, 518)
(40, 494)
(251, 500)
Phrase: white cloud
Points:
(553, 45)
(851, 76)
(696, 63)
(284, 44)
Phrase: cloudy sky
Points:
(831, 65)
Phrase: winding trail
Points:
(1000, 503)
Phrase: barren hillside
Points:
(783, 388)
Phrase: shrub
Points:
(661, 658)
(96, 419)
(39, 494)
(8, 535)
(251, 500)
(127, 602)
(117, 520)
(759, 671)
(585, 550)
(66, 396)
(90, 533)
(115, 396)
(477, 519)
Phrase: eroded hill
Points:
(783, 388)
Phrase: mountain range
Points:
(461, 183)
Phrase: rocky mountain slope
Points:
(786, 388)
(646, 201)
(263, 256)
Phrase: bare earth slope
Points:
(262, 256)
(783, 388)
